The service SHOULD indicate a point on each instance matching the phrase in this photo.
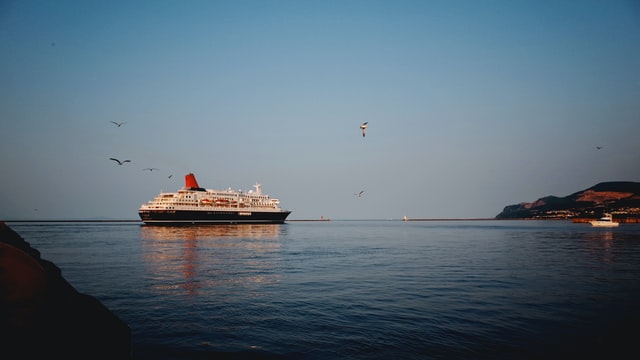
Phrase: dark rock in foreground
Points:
(43, 317)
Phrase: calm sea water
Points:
(358, 289)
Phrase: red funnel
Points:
(190, 181)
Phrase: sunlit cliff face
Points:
(600, 197)
(533, 204)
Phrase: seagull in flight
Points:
(118, 124)
(120, 162)
(598, 147)
(364, 127)
(359, 194)
(150, 169)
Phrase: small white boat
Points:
(605, 221)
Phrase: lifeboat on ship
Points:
(208, 202)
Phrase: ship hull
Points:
(190, 217)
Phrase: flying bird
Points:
(170, 176)
(359, 194)
(598, 147)
(150, 169)
(118, 124)
(364, 128)
(119, 162)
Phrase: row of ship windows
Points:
(194, 201)
(224, 196)
(196, 204)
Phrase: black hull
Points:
(175, 217)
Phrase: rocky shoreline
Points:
(42, 316)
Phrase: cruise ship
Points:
(195, 205)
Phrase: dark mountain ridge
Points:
(618, 197)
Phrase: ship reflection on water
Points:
(161, 233)
(190, 259)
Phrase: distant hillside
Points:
(619, 197)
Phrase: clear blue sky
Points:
(472, 105)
